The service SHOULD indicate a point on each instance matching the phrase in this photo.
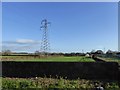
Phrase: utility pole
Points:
(82, 50)
(104, 50)
(45, 45)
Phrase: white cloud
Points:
(20, 44)
(26, 41)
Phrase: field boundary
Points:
(71, 70)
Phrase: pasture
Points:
(48, 59)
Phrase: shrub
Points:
(24, 84)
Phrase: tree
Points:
(93, 51)
(109, 53)
(37, 53)
(6, 52)
(99, 52)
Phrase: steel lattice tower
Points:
(45, 45)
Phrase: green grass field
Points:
(48, 59)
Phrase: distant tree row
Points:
(98, 52)
(6, 52)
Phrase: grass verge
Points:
(58, 82)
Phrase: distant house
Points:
(87, 55)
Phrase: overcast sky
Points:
(74, 26)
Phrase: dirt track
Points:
(97, 59)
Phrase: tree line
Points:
(97, 52)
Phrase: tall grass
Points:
(58, 82)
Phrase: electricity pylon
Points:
(45, 45)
